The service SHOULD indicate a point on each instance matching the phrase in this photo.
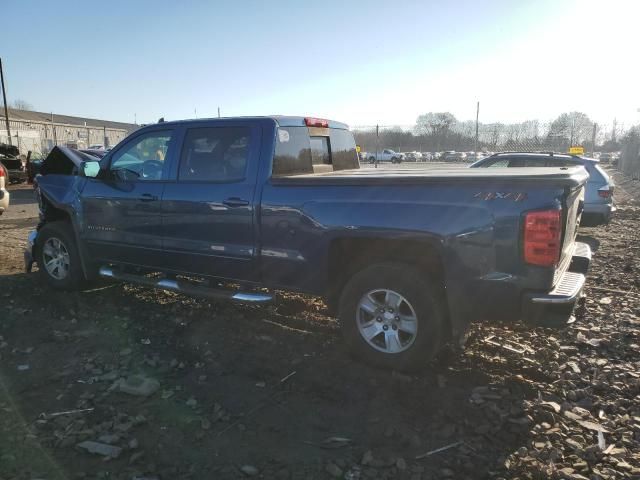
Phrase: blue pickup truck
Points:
(239, 208)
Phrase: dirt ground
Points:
(269, 392)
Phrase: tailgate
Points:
(572, 211)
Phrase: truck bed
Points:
(550, 176)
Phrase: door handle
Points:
(147, 197)
(235, 202)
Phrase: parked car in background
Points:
(454, 157)
(14, 164)
(598, 198)
(475, 156)
(386, 155)
(405, 259)
(605, 157)
(4, 194)
(412, 156)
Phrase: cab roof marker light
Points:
(316, 122)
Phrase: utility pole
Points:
(593, 138)
(218, 112)
(53, 129)
(475, 143)
(4, 99)
(377, 144)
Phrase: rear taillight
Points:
(316, 122)
(606, 191)
(542, 233)
(2, 171)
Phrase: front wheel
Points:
(57, 256)
(392, 316)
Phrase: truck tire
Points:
(391, 316)
(57, 256)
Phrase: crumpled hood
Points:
(64, 161)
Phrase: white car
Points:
(4, 195)
(385, 155)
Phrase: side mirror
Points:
(91, 169)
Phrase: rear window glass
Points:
(320, 151)
(343, 150)
(297, 152)
(293, 152)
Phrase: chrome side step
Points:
(188, 288)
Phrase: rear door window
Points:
(499, 163)
(215, 154)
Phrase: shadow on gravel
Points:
(593, 242)
(22, 196)
(18, 223)
(260, 385)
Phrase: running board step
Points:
(185, 287)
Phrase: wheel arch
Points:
(52, 211)
(348, 256)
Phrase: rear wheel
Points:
(391, 316)
(57, 256)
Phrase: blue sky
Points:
(361, 62)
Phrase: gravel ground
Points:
(172, 387)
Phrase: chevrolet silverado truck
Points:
(240, 208)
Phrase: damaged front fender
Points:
(58, 186)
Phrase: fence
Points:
(497, 137)
(629, 162)
(40, 137)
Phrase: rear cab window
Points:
(302, 150)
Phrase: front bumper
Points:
(554, 308)
(29, 251)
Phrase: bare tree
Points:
(20, 104)
(574, 128)
(436, 123)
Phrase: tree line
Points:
(441, 131)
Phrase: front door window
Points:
(143, 159)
